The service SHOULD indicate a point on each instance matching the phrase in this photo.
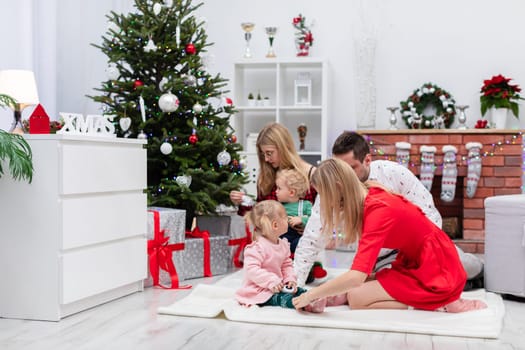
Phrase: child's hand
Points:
(295, 221)
(277, 288)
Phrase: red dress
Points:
(427, 272)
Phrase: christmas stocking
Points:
(427, 166)
(403, 153)
(450, 174)
(474, 167)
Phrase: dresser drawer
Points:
(97, 269)
(101, 167)
(102, 217)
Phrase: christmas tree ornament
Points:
(235, 163)
(125, 123)
(162, 84)
(197, 108)
(427, 166)
(168, 3)
(190, 49)
(166, 148)
(193, 138)
(226, 101)
(142, 109)
(224, 158)
(168, 102)
(243, 163)
(183, 180)
(473, 167)
(157, 8)
(137, 83)
(150, 46)
(189, 79)
(112, 72)
(142, 135)
(450, 174)
(234, 138)
(403, 153)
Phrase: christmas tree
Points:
(158, 88)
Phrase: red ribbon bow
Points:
(242, 243)
(160, 255)
(205, 235)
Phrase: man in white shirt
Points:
(354, 150)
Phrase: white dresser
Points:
(75, 237)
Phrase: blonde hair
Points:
(262, 215)
(277, 135)
(295, 180)
(342, 198)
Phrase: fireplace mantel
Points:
(501, 174)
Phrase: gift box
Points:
(197, 262)
(216, 225)
(166, 233)
(240, 237)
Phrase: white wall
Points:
(454, 44)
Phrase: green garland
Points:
(428, 95)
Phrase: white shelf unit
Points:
(275, 79)
(75, 237)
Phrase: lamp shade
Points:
(20, 85)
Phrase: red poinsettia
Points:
(499, 93)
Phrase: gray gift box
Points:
(173, 222)
(193, 255)
(216, 225)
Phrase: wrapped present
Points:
(216, 225)
(240, 237)
(165, 247)
(205, 255)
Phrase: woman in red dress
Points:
(427, 273)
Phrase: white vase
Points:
(499, 117)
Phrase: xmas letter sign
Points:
(92, 125)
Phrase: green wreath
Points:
(428, 95)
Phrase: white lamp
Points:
(20, 85)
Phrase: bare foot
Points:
(462, 305)
(316, 306)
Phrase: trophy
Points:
(271, 31)
(247, 27)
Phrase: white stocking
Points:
(474, 167)
(403, 153)
(427, 166)
(450, 174)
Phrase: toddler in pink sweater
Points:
(269, 277)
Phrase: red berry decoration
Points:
(190, 49)
(137, 83)
(193, 139)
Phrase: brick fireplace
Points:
(501, 174)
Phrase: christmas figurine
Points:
(302, 130)
(473, 168)
(427, 166)
(450, 174)
(403, 153)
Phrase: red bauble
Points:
(234, 138)
(193, 139)
(190, 49)
(137, 83)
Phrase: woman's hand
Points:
(301, 301)
(236, 197)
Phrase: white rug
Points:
(210, 300)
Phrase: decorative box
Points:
(240, 237)
(216, 225)
(194, 256)
(166, 233)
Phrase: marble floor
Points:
(132, 323)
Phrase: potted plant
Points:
(259, 99)
(498, 94)
(15, 150)
(251, 100)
